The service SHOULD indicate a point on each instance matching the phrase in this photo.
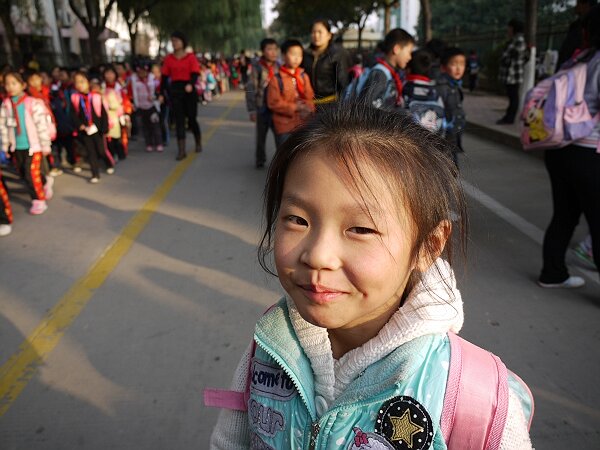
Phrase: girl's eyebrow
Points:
(351, 209)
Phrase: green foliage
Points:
(226, 26)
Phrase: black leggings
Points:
(575, 178)
(95, 150)
(185, 106)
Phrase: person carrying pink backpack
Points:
(26, 131)
(362, 351)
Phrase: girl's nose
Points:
(321, 252)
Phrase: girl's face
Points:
(13, 86)
(35, 81)
(293, 57)
(177, 44)
(110, 76)
(320, 36)
(82, 84)
(345, 270)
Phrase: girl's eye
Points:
(362, 230)
(297, 221)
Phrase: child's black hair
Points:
(436, 47)
(289, 44)
(265, 42)
(517, 25)
(450, 53)
(397, 36)
(412, 162)
(420, 63)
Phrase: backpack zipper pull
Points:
(314, 432)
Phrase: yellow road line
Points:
(22, 366)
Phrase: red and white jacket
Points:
(38, 124)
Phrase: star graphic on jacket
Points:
(404, 429)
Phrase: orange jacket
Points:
(284, 105)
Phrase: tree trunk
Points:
(96, 50)
(360, 32)
(387, 17)
(132, 28)
(426, 10)
(14, 47)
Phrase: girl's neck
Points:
(19, 95)
(179, 53)
(344, 340)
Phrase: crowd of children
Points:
(426, 85)
(50, 122)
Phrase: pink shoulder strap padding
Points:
(476, 400)
(222, 398)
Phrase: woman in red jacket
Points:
(180, 72)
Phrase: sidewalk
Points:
(483, 109)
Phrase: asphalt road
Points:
(125, 299)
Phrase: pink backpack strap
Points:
(238, 401)
(476, 400)
(222, 398)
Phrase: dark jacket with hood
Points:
(329, 72)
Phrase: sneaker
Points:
(77, 169)
(94, 180)
(38, 207)
(55, 172)
(110, 170)
(585, 256)
(569, 283)
(160, 148)
(149, 148)
(48, 191)
(5, 229)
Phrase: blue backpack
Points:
(357, 85)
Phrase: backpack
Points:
(425, 106)
(555, 113)
(475, 403)
(357, 85)
(48, 116)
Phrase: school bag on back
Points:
(425, 106)
(357, 85)
(555, 113)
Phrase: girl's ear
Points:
(433, 246)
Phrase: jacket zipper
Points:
(314, 434)
(297, 385)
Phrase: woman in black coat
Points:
(326, 64)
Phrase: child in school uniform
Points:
(289, 93)
(25, 126)
(362, 351)
(112, 95)
(454, 62)
(91, 122)
(147, 106)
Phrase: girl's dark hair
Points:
(413, 163)
(325, 22)
(592, 21)
(81, 73)
(397, 36)
(16, 75)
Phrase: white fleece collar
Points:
(433, 306)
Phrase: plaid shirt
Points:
(513, 60)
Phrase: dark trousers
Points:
(152, 132)
(575, 180)
(65, 142)
(473, 81)
(512, 92)
(264, 123)
(94, 148)
(6, 216)
(185, 106)
(115, 147)
(30, 169)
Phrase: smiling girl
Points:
(362, 351)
